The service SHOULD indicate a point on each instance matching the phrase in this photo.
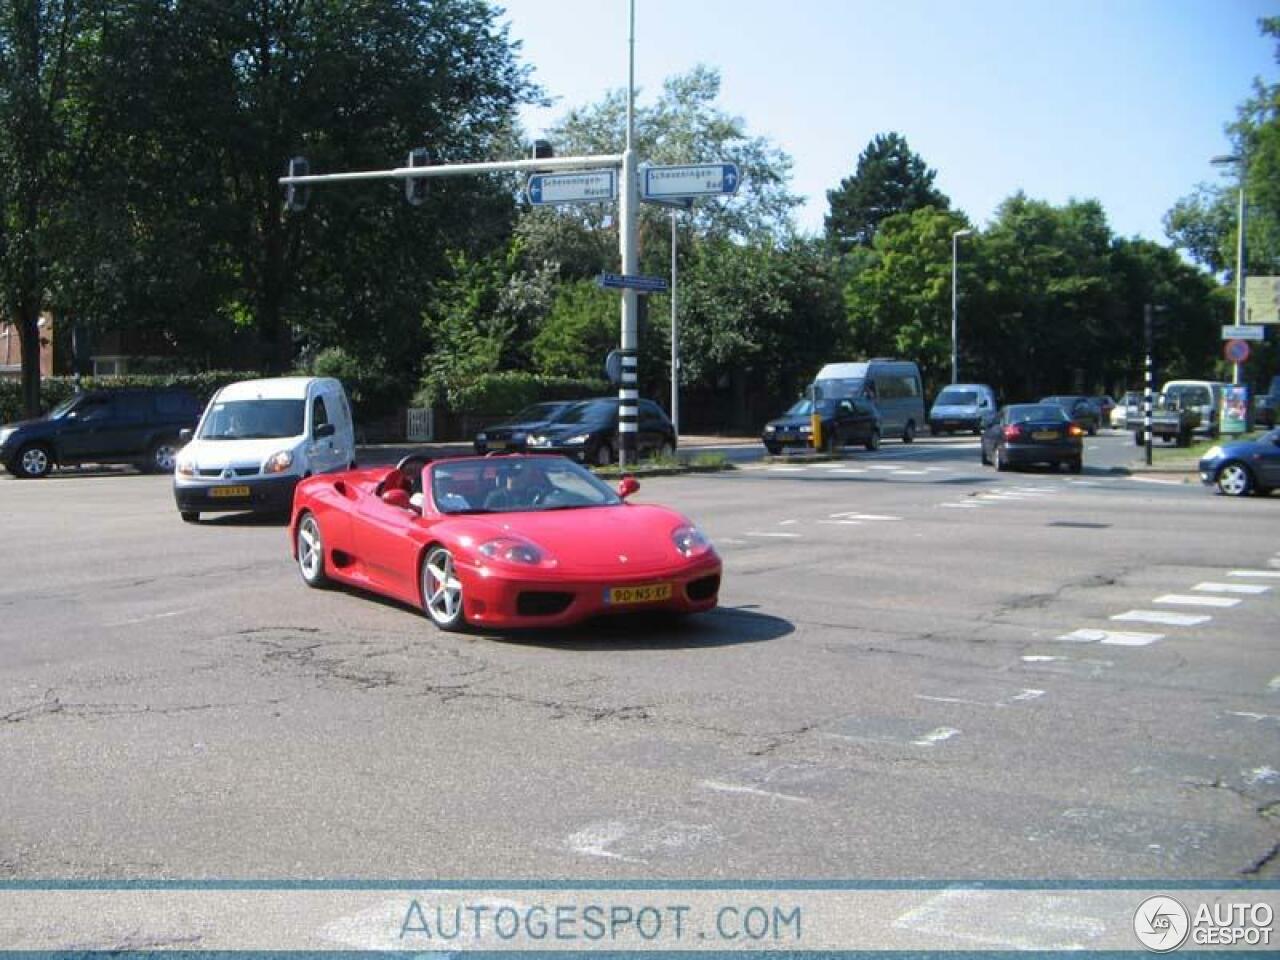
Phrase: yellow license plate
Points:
(498, 445)
(651, 593)
(1045, 435)
(240, 491)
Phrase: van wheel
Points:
(909, 431)
(34, 461)
(162, 458)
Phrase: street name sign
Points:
(632, 281)
(1251, 332)
(1262, 299)
(693, 180)
(586, 185)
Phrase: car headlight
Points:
(510, 550)
(690, 541)
(580, 438)
(538, 440)
(807, 428)
(770, 428)
(6, 433)
(185, 468)
(481, 438)
(1213, 453)
(278, 462)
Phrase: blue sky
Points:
(1120, 100)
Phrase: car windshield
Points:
(1033, 412)
(1187, 396)
(253, 419)
(537, 412)
(62, 409)
(515, 485)
(839, 389)
(958, 398)
(588, 411)
(804, 408)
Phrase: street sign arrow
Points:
(586, 185)
(689, 180)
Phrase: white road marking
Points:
(1275, 683)
(1163, 483)
(1231, 587)
(1259, 717)
(1162, 616)
(883, 467)
(1037, 658)
(1189, 600)
(787, 469)
(850, 470)
(153, 616)
(762, 533)
(854, 515)
(593, 840)
(909, 473)
(1112, 637)
(786, 523)
(961, 506)
(1262, 775)
(1023, 696)
(937, 735)
(753, 791)
(1254, 573)
(842, 523)
(1084, 483)
(720, 541)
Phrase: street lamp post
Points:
(955, 305)
(1240, 228)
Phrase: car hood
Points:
(626, 539)
(790, 423)
(215, 454)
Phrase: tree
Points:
(889, 179)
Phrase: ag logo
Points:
(1161, 924)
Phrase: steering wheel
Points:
(411, 466)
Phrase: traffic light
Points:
(415, 188)
(297, 195)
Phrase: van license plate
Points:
(650, 593)
(240, 491)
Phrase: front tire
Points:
(189, 516)
(909, 432)
(1234, 480)
(310, 547)
(442, 590)
(873, 441)
(34, 461)
(163, 457)
(604, 455)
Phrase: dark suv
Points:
(137, 426)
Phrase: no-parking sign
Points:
(1237, 351)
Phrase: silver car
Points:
(963, 406)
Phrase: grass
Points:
(1170, 453)
(660, 466)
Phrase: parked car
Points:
(852, 420)
(1130, 406)
(1034, 433)
(894, 386)
(257, 439)
(1243, 467)
(1171, 421)
(1204, 396)
(510, 435)
(587, 431)
(138, 426)
(962, 406)
(501, 541)
(1083, 410)
(1266, 405)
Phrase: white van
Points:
(893, 385)
(1204, 396)
(257, 439)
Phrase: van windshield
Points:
(254, 420)
(958, 398)
(839, 389)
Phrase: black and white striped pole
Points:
(1148, 339)
(629, 208)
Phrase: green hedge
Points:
(499, 394)
(53, 390)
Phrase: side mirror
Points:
(324, 430)
(185, 435)
(627, 486)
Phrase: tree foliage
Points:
(889, 179)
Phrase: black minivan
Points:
(138, 426)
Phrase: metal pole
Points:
(955, 309)
(675, 338)
(1240, 268)
(1146, 396)
(629, 203)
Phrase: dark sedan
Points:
(846, 421)
(511, 434)
(587, 431)
(1243, 467)
(1083, 410)
(1034, 433)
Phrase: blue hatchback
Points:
(1243, 467)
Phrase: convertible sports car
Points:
(500, 541)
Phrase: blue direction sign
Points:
(631, 281)
(697, 180)
(585, 185)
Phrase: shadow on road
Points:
(722, 627)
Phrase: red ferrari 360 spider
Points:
(513, 541)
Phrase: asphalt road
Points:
(885, 692)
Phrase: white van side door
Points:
(323, 452)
